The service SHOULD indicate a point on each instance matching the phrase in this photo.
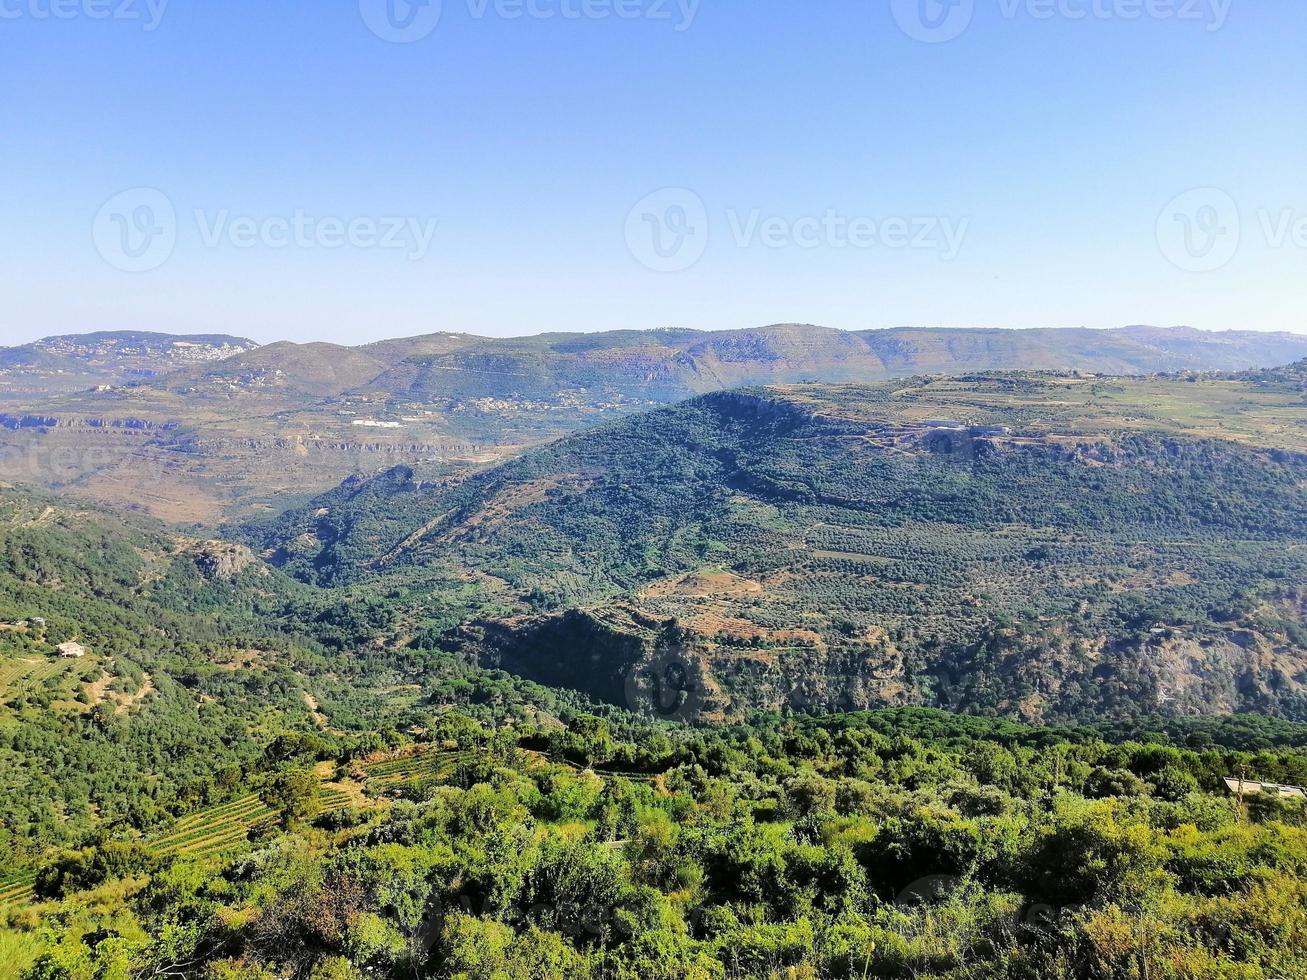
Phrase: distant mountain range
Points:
(663, 365)
(205, 427)
(74, 361)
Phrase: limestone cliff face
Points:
(16, 422)
(630, 657)
(576, 649)
(1055, 676)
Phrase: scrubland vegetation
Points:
(896, 844)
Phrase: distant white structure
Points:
(1248, 787)
(73, 651)
(36, 621)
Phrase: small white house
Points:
(73, 651)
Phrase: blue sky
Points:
(528, 165)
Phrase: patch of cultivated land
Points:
(216, 829)
(1078, 406)
(29, 670)
(16, 890)
(228, 826)
(704, 583)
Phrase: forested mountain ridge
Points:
(1037, 545)
(208, 439)
(246, 777)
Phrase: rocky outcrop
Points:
(654, 666)
(15, 422)
(221, 560)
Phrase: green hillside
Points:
(896, 844)
(145, 722)
(196, 657)
(1036, 545)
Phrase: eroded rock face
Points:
(576, 649)
(221, 560)
(15, 422)
(658, 667)
(1053, 676)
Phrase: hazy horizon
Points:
(267, 340)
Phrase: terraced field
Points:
(433, 765)
(335, 798)
(13, 672)
(215, 830)
(16, 890)
(428, 765)
(228, 826)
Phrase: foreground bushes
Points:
(820, 849)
